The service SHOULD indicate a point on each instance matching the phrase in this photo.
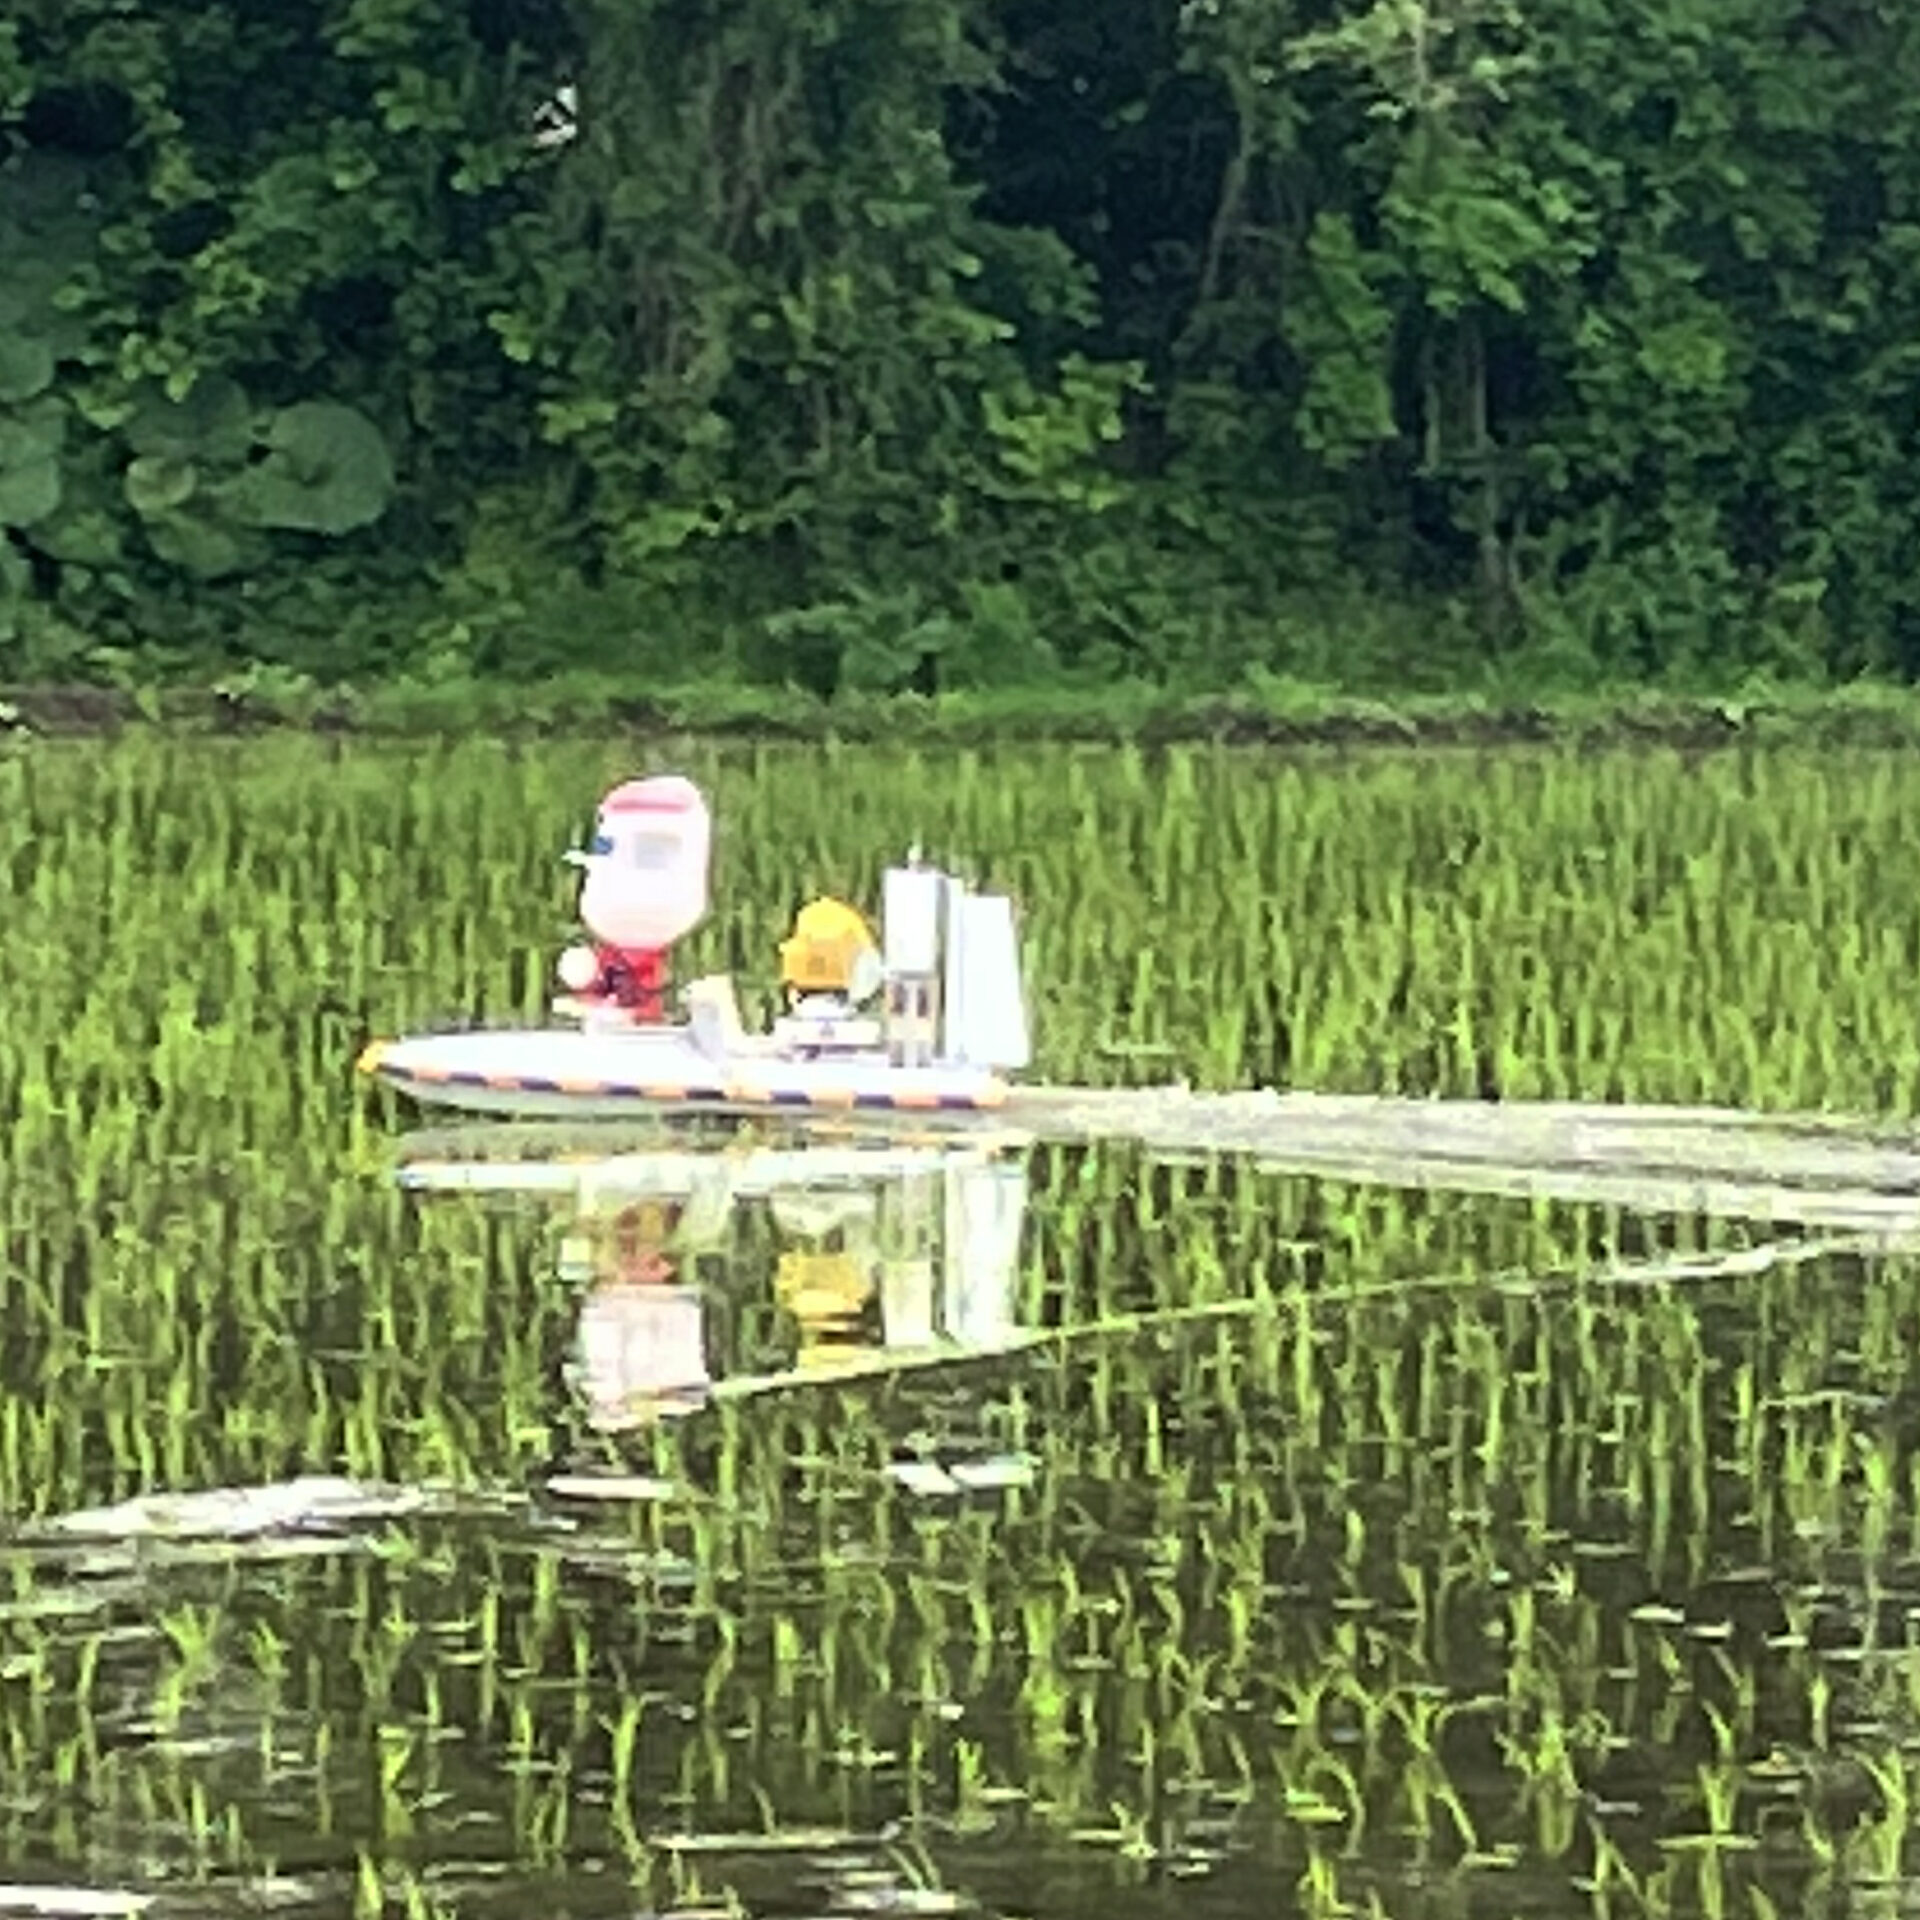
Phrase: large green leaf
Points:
(26, 367)
(50, 220)
(31, 441)
(37, 278)
(36, 431)
(16, 588)
(30, 295)
(80, 536)
(158, 483)
(49, 194)
(202, 548)
(328, 472)
(214, 423)
(29, 491)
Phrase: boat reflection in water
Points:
(641, 1352)
(705, 1273)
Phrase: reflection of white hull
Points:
(552, 1072)
(750, 1174)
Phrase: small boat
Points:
(944, 973)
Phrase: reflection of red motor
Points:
(635, 978)
(639, 1244)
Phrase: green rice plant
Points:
(1417, 1519)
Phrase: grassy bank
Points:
(1278, 714)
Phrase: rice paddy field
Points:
(1188, 1538)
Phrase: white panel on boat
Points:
(953, 984)
(988, 1026)
(910, 919)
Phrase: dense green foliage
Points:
(871, 344)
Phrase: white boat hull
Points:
(556, 1072)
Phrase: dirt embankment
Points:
(1891, 718)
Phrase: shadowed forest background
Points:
(937, 344)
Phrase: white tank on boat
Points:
(953, 974)
(646, 868)
(986, 1015)
(910, 918)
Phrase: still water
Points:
(800, 1527)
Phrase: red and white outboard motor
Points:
(644, 887)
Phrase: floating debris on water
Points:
(779, 1840)
(1008, 1470)
(611, 1486)
(311, 1513)
(237, 1513)
(885, 1893)
(73, 1903)
(922, 1476)
(932, 1477)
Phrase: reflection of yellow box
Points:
(828, 1356)
(821, 1288)
(828, 939)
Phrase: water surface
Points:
(1339, 1550)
